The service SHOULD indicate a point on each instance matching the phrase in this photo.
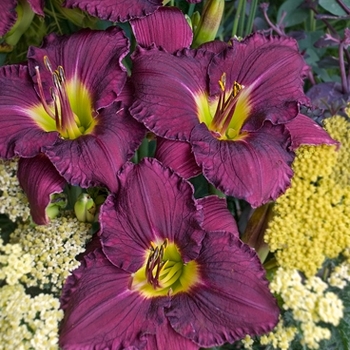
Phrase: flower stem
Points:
(242, 19)
(344, 82)
(237, 16)
(190, 10)
(251, 17)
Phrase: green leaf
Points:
(6, 227)
(294, 15)
(333, 7)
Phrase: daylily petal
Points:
(215, 46)
(234, 299)
(167, 338)
(304, 131)
(126, 95)
(102, 312)
(39, 180)
(169, 112)
(19, 134)
(164, 209)
(116, 10)
(272, 68)
(92, 58)
(8, 15)
(256, 168)
(37, 6)
(216, 215)
(166, 23)
(94, 159)
(178, 156)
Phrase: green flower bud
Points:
(76, 16)
(25, 17)
(85, 208)
(255, 230)
(58, 202)
(209, 22)
(195, 20)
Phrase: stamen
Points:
(56, 80)
(57, 115)
(47, 64)
(225, 108)
(222, 81)
(237, 88)
(164, 272)
(68, 121)
(155, 264)
(61, 74)
(67, 102)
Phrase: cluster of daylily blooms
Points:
(165, 270)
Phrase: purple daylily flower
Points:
(167, 28)
(8, 15)
(63, 104)
(233, 106)
(116, 10)
(172, 272)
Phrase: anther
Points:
(47, 64)
(61, 74)
(222, 81)
(56, 80)
(236, 88)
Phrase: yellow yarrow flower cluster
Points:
(53, 248)
(280, 338)
(13, 200)
(312, 219)
(247, 342)
(310, 303)
(14, 263)
(340, 276)
(28, 322)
